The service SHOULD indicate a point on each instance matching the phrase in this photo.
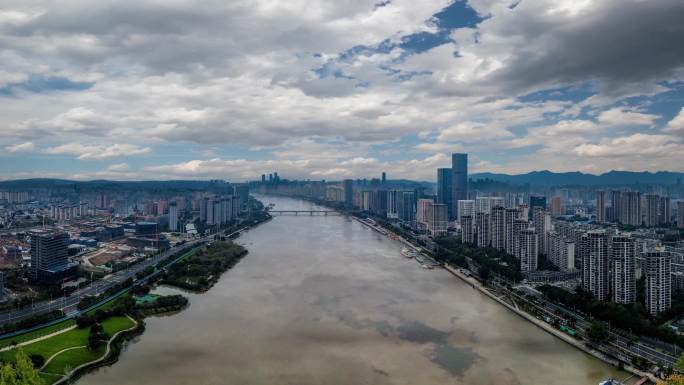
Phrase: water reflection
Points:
(324, 300)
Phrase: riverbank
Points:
(528, 317)
(63, 348)
(546, 327)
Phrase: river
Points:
(325, 300)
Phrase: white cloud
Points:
(97, 152)
(676, 125)
(632, 146)
(20, 147)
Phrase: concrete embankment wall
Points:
(546, 327)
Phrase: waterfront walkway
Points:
(545, 326)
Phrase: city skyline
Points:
(394, 86)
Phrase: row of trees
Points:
(633, 318)
(453, 251)
(201, 270)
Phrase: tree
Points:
(597, 332)
(8, 376)
(26, 373)
(680, 363)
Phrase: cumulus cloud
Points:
(329, 82)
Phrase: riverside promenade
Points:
(546, 327)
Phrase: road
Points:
(69, 303)
(638, 348)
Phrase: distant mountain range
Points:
(537, 178)
(578, 178)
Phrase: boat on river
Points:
(407, 253)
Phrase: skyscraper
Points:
(658, 282)
(459, 180)
(595, 264)
(444, 189)
(680, 214)
(624, 262)
(384, 178)
(600, 206)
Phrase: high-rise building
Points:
(519, 225)
(624, 269)
(384, 178)
(498, 227)
(406, 206)
(615, 206)
(465, 207)
(561, 252)
(537, 201)
(393, 204)
(49, 255)
(630, 208)
(437, 219)
(467, 229)
(482, 229)
(511, 215)
(664, 211)
(595, 264)
(424, 206)
(349, 193)
(680, 214)
(102, 202)
(173, 216)
(459, 179)
(444, 189)
(600, 206)
(528, 250)
(242, 191)
(542, 225)
(651, 204)
(658, 281)
(557, 206)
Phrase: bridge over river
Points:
(304, 212)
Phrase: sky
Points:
(321, 89)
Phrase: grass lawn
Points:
(37, 333)
(69, 359)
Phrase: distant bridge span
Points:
(305, 212)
